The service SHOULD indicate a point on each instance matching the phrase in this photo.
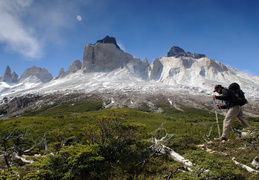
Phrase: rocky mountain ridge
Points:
(105, 56)
(9, 77)
(176, 51)
(30, 73)
(111, 74)
(107, 59)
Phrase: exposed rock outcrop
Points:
(9, 76)
(42, 74)
(179, 52)
(110, 40)
(106, 57)
(61, 74)
(14, 77)
(157, 68)
(75, 66)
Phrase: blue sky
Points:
(51, 34)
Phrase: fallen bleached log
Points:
(177, 157)
(249, 169)
(15, 156)
(158, 147)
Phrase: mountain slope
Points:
(108, 73)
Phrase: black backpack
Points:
(235, 88)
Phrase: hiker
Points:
(234, 110)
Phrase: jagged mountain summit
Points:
(35, 72)
(107, 72)
(106, 57)
(9, 77)
(110, 40)
(179, 52)
(74, 67)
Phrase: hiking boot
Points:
(220, 139)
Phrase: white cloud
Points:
(13, 32)
(27, 27)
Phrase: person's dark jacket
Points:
(229, 97)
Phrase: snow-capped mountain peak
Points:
(111, 72)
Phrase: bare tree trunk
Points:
(11, 145)
(45, 142)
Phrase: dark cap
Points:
(216, 87)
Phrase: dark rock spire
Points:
(9, 76)
(110, 40)
(176, 51)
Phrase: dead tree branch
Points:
(249, 169)
(13, 144)
(158, 147)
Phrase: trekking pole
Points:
(222, 112)
(216, 114)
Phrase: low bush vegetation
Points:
(83, 141)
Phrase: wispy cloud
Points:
(13, 33)
(27, 26)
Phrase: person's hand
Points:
(218, 106)
(213, 96)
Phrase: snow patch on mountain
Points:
(175, 74)
(119, 77)
(203, 74)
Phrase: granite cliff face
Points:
(106, 56)
(156, 70)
